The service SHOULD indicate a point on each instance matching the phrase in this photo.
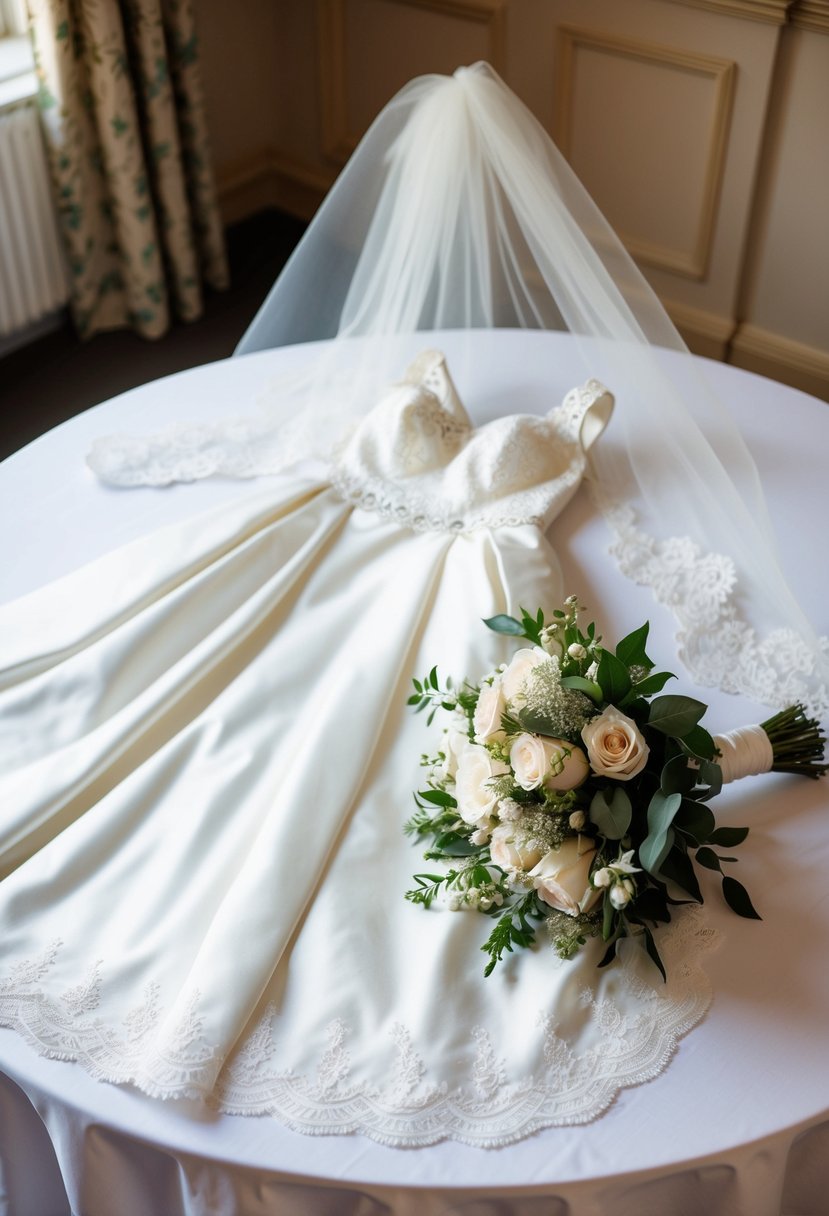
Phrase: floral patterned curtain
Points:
(122, 108)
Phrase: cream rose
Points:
(487, 719)
(508, 853)
(615, 745)
(562, 877)
(522, 663)
(455, 743)
(553, 763)
(476, 798)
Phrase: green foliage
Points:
(513, 928)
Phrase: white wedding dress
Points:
(206, 764)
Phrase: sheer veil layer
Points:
(457, 212)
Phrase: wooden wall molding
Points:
(811, 15)
(772, 12)
(271, 179)
(721, 72)
(338, 138)
(796, 363)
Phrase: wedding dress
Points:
(205, 755)
(202, 843)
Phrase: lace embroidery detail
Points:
(631, 1033)
(335, 1064)
(440, 475)
(86, 996)
(715, 644)
(488, 1072)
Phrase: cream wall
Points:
(699, 126)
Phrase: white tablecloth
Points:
(737, 1125)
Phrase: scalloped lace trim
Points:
(638, 1031)
(717, 646)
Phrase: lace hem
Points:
(637, 1030)
(718, 647)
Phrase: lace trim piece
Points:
(637, 1035)
(715, 644)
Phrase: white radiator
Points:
(33, 278)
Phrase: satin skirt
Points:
(207, 761)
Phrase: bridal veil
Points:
(457, 212)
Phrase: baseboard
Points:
(705, 333)
(36, 329)
(270, 179)
(795, 363)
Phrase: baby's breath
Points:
(565, 710)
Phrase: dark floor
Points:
(57, 376)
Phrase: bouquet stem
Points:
(797, 743)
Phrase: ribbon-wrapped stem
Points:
(788, 742)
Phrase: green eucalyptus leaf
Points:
(505, 624)
(611, 812)
(696, 819)
(678, 868)
(675, 716)
(583, 685)
(653, 953)
(613, 677)
(631, 649)
(453, 845)
(699, 743)
(677, 777)
(708, 858)
(728, 838)
(737, 898)
(660, 838)
(438, 798)
(654, 683)
(650, 904)
(710, 774)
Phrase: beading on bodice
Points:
(417, 458)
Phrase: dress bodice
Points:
(417, 458)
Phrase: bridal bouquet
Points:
(566, 789)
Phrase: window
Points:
(17, 77)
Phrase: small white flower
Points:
(480, 835)
(577, 651)
(620, 896)
(577, 820)
(602, 878)
(509, 811)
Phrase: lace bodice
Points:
(417, 458)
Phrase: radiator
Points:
(33, 278)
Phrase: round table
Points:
(738, 1123)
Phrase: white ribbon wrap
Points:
(744, 753)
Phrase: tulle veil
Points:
(457, 213)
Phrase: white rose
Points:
(455, 743)
(553, 763)
(487, 720)
(515, 676)
(476, 798)
(615, 745)
(508, 853)
(562, 877)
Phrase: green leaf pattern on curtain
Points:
(123, 112)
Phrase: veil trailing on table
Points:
(457, 213)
